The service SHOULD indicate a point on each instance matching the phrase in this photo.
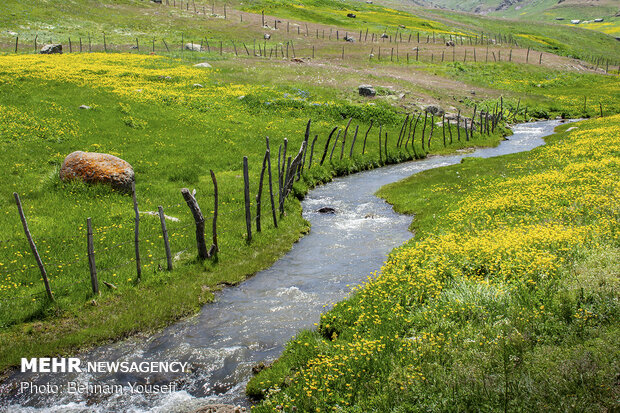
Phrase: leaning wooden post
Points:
(366, 137)
(136, 230)
(424, 129)
(246, 195)
(200, 223)
(344, 138)
(380, 131)
(273, 206)
(260, 192)
(312, 151)
(303, 161)
(33, 247)
(353, 143)
(91, 257)
(164, 233)
(329, 138)
(443, 129)
(458, 125)
(214, 248)
(335, 143)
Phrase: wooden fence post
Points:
(200, 223)
(214, 247)
(366, 136)
(136, 230)
(380, 132)
(344, 138)
(329, 138)
(312, 151)
(164, 233)
(91, 257)
(443, 128)
(458, 125)
(291, 172)
(335, 143)
(260, 192)
(33, 247)
(246, 195)
(353, 143)
(424, 129)
(273, 206)
(281, 172)
(306, 137)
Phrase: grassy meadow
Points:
(424, 321)
(506, 299)
(150, 111)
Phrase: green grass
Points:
(566, 40)
(506, 299)
(173, 134)
(335, 13)
(547, 93)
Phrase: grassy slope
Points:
(544, 92)
(560, 39)
(507, 298)
(544, 10)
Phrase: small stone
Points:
(267, 36)
(203, 64)
(198, 85)
(351, 15)
(193, 47)
(366, 90)
(326, 210)
(85, 107)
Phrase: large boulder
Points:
(193, 47)
(92, 167)
(51, 49)
(366, 90)
(203, 64)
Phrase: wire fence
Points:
(278, 42)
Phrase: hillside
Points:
(563, 12)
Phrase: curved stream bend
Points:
(253, 321)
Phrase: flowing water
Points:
(252, 322)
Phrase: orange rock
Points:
(92, 167)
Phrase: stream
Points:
(253, 321)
